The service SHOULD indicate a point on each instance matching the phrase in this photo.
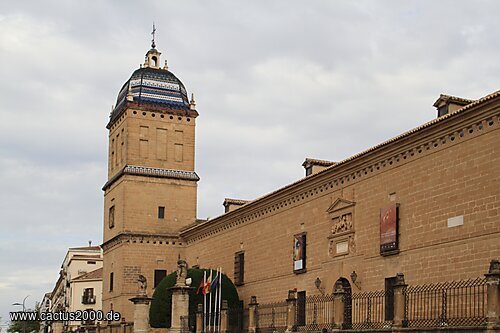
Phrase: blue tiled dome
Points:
(153, 87)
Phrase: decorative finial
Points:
(166, 66)
(192, 103)
(153, 45)
(130, 96)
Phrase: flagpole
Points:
(210, 302)
(204, 301)
(215, 300)
(220, 296)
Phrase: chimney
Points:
(447, 104)
(313, 166)
(232, 204)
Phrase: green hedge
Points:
(161, 305)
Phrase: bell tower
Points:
(151, 191)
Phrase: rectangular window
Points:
(111, 276)
(239, 268)
(159, 275)
(389, 297)
(111, 217)
(301, 308)
(88, 296)
(161, 212)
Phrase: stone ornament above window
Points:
(341, 214)
(341, 235)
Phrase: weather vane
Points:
(153, 45)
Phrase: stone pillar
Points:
(180, 307)
(199, 319)
(493, 295)
(252, 315)
(57, 327)
(399, 301)
(141, 313)
(291, 316)
(338, 305)
(224, 317)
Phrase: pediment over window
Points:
(339, 204)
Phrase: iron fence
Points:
(272, 317)
(456, 303)
(121, 327)
(238, 320)
(317, 314)
(370, 310)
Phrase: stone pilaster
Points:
(399, 301)
(141, 313)
(338, 305)
(252, 315)
(224, 318)
(199, 319)
(291, 311)
(493, 295)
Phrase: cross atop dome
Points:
(153, 56)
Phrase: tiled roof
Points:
(229, 201)
(93, 275)
(89, 248)
(313, 161)
(155, 87)
(458, 100)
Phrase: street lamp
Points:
(24, 310)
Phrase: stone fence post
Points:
(180, 308)
(224, 317)
(493, 295)
(199, 319)
(399, 301)
(338, 305)
(141, 313)
(253, 313)
(291, 311)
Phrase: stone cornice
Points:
(470, 121)
(150, 108)
(148, 238)
(151, 172)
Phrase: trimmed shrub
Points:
(161, 305)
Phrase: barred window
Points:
(239, 268)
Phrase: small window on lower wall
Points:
(159, 275)
(161, 212)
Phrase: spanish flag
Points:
(206, 287)
(202, 284)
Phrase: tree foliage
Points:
(161, 306)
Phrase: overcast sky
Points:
(275, 82)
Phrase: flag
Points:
(206, 287)
(215, 281)
(202, 285)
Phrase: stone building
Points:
(79, 287)
(425, 203)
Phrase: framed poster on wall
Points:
(389, 224)
(299, 253)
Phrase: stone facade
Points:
(444, 177)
